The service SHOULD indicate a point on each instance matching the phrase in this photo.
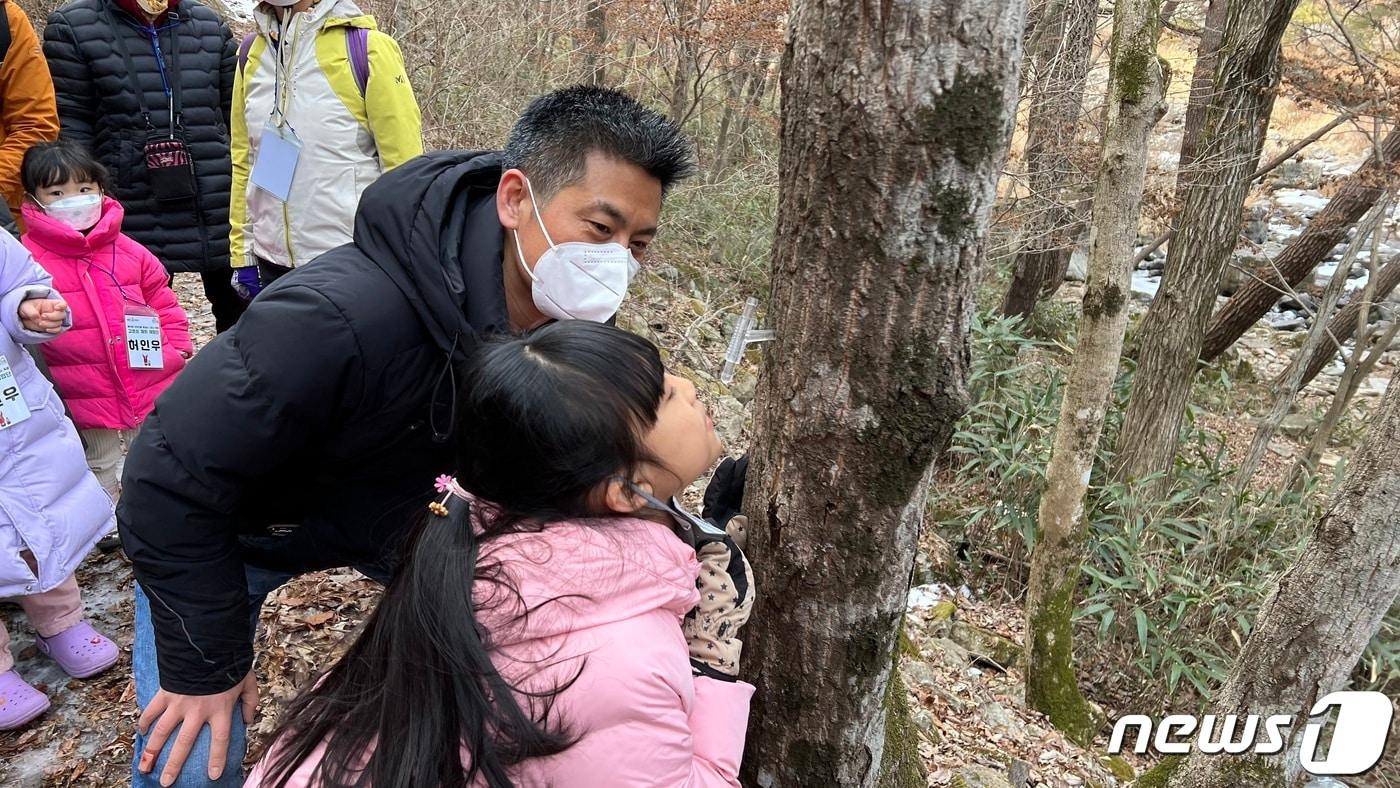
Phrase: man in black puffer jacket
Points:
(122, 71)
(309, 435)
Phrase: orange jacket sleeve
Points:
(28, 114)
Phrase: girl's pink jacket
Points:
(644, 719)
(100, 274)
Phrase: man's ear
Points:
(511, 199)
(620, 498)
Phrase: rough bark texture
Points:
(1343, 324)
(1058, 60)
(1312, 628)
(895, 122)
(1136, 85)
(1202, 92)
(1246, 74)
(1361, 190)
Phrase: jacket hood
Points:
(577, 575)
(430, 224)
(59, 238)
(328, 13)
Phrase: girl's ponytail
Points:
(416, 700)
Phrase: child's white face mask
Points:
(81, 211)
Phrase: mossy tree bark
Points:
(895, 121)
(1318, 619)
(1058, 61)
(1137, 81)
(1232, 135)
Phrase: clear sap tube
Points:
(744, 334)
(738, 341)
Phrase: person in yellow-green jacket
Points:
(322, 107)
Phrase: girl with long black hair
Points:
(559, 620)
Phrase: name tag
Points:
(143, 349)
(13, 408)
(278, 152)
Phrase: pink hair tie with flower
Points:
(449, 487)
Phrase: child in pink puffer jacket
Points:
(129, 337)
(558, 619)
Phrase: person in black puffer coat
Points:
(308, 436)
(183, 56)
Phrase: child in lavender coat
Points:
(52, 509)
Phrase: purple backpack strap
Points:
(243, 48)
(357, 45)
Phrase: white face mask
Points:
(576, 280)
(81, 211)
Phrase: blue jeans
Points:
(261, 582)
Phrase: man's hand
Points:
(43, 315)
(190, 713)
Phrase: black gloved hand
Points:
(724, 496)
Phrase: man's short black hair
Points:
(555, 134)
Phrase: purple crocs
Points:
(80, 650)
(19, 702)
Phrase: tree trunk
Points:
(596, 20)
(1343, 324)
(684, 74)
(1137, 81)
(759, 88)
(1247, 73)
(1202, 91)
(1358, 368)
(1264, 169)
(1292, 378)
(895, 121)
(1313, 626)
(1361, 190)
(735, 103)
(1059, 63)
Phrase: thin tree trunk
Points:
(1059, 64)
(596, 20)
(1358, 368)
(760, 83)
(734, 103)
(1314, 625)
(1202, 93)
(1247, 73)
(1263, 170)
(895, 122)
(1137, 81)
(1343, 324)
(1361, 190)
(685, 58)
(1293, 376)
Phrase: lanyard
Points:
(169, 82)
(285, 68)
